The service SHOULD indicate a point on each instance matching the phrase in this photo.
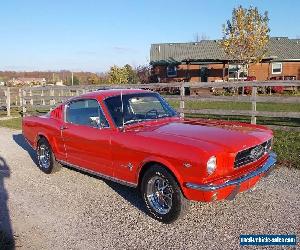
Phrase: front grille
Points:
(252, 154)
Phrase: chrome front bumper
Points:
(264, 169)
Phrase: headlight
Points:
(211, 165)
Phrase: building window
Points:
(171, 71)
(276, 68)
(237, 72)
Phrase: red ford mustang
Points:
(135, 138)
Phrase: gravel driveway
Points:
(71, 210)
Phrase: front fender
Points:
(162, 161)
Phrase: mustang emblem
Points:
(257, 152)
(129, 166)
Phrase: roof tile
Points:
(281, 48)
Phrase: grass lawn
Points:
(287, 147)
(14, 123)
(275, 107)
(284, 121)
(272, 107)
(13, 112)
(286, 143)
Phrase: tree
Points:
(103, 78)
(245, 37)
(75, 81)
(123, 75)
(118, 75)
(132, 76)
(144, 74)
(93, 79)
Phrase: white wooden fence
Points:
(45, 98)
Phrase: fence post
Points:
(17, 100)
(52, 101)
(23, 102)
(31, 100)
(43, 100)
(20, 98)
(253, 100)
(8, 101)
(182, 100)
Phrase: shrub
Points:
(278, 89)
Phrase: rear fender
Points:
(39, 136)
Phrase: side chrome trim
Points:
(126, 183)
(264, 169)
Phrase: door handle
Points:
(63, 127)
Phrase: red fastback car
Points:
(134, 137)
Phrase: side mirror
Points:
(95, 121)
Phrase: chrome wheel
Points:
(159, 194)
(44, 156)
(162, 195)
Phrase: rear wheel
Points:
(46, 158)
(162, 195)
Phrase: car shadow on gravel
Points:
(130, 194)
(20, 140)
(6, 232)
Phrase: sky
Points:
(87, 35)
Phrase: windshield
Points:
(138, 107)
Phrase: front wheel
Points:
(46, 158)
(162, 195)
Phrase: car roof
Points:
(103, 94)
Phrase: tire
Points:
(45, 157)
(162, 195)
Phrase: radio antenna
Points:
(122, 108)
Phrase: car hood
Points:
(233, 136)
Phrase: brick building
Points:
(205, 61)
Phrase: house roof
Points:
(279, 48)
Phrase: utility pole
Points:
(72, 78)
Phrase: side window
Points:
(114, 106)
(86, 112)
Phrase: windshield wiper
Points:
(164, 115)
(136, 120)
(132, 121)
